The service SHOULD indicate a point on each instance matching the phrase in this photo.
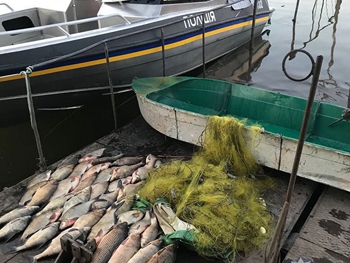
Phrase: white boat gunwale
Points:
(318, 163)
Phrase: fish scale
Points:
(145, 253)
(110, 242)
(165, 255)
(126, 249)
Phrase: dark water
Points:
(321, 29)
(61, 133)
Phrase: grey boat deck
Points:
(324, 240)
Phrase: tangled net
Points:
(215, 192)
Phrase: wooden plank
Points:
(327, 230)
(313, 253)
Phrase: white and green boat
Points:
(179, 107)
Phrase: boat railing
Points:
(30, 69)
(62, 24)
(102, 42)
(88, 20)
(9, 7)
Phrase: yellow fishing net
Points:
(216, 192)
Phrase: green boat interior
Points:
(275, 112)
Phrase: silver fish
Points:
(55, 245)
(124, 205)
(18, 212)
(54, 204)
(98, 189)
(124, 171)
(92, 155)
(28, 195)
(130, 189)
(103, 225)
(80, 197)
(130, 217)
(80, 169)
(44, 192)
(111, 197)
(142, 172)
(141, 225)
(104, 176)
(70, 160)
(110, 218)
(126, 249)
(151, 232)
(109, 243)
(117, 184)
(42, 177)
(145, 253)
(127, 160)
(100, 204)
(73, 213)
(165, 255)
(87, 182)
(96, 169)
(151, 158)
(40, 237)
(65, 186)
(62, 172)
(13, 227)
(41, 221)
(89, 219)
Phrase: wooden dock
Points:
(325, 236)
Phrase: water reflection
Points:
(238, 65)
(331, 82)
(331, 20)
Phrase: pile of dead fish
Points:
(94, 196)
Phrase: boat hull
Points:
(133, 53)
(319, 164)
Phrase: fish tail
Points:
(30, 259)
(9, 250)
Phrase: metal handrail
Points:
(70, 23)
(9, 7)
(83, 50)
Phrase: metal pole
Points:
(163, 50)
(42, 162)
(111, 86)
(296, 12)
(276, 241)
(253, 26)
(203, 46)
(251, 45)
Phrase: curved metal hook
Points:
(292, 54)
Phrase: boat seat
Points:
(26, 19)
